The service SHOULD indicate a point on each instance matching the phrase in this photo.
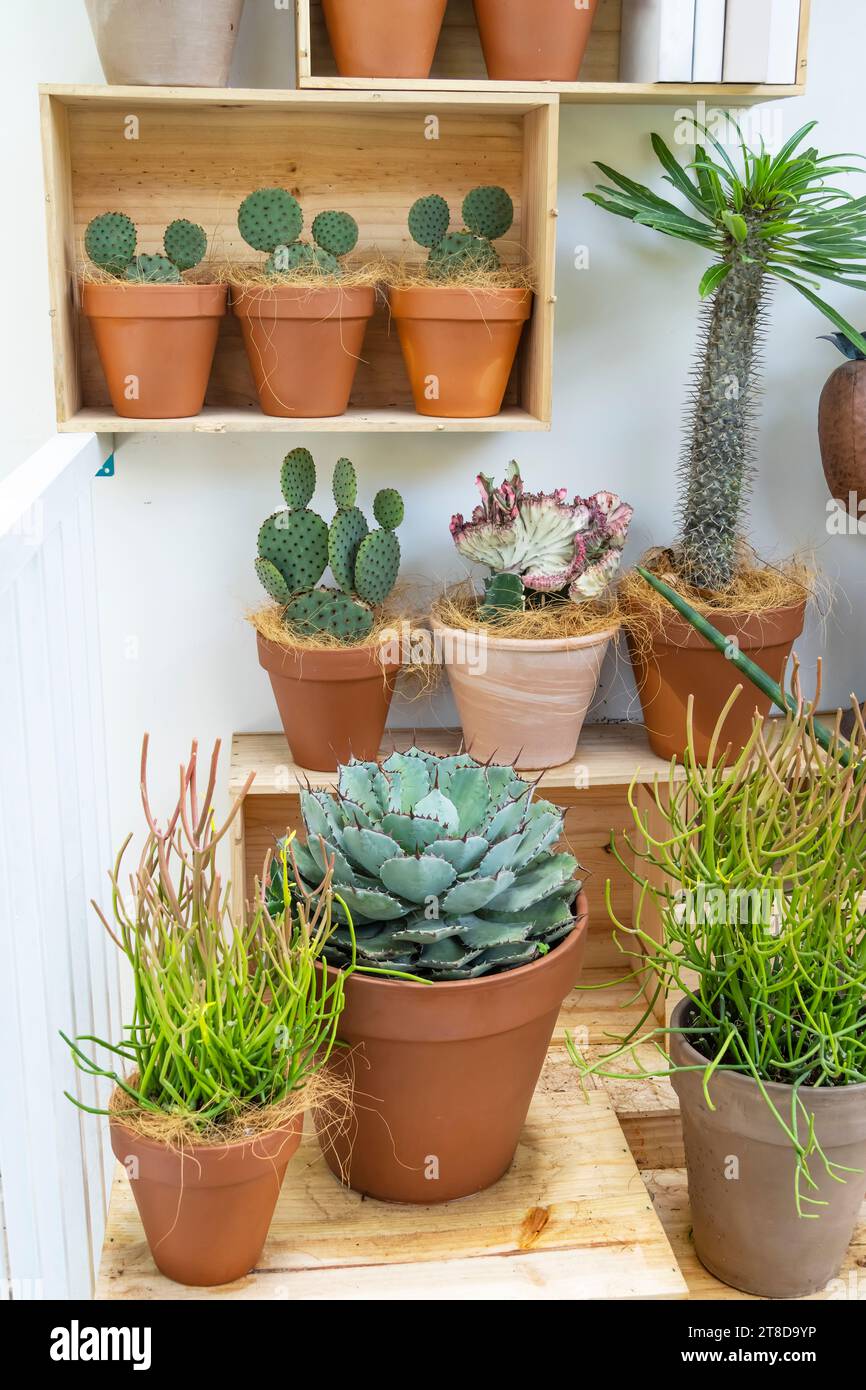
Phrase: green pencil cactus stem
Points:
(775, 218)
(271, 220)
(296, 546)
(110, 242)
(488, 213)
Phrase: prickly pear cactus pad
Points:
(185, 243)
(270, 217)
(488, 213)
(296, 546)
(449, 869)
(271, 220)
(110, 243)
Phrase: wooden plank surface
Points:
(571, 1219)
(249, 419)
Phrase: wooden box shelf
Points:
(196, 153)
(459, 65)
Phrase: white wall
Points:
(177, 524)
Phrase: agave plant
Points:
(777, 218)
(445, 866)
(540, 543)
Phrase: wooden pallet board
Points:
(571, 1219)
(669, 1190)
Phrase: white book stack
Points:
(657, 42)
(709, 53)
(761, 38)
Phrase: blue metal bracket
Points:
(107, 469)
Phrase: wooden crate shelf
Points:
(459, 65)
(200, 151)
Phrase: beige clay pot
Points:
(522, 701)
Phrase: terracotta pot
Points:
(842, 434)
(156, 344)
(382, 39)
(303, 345)
(165, 43)
(673, 661)
(746, 1230)
(206, 1210)
(534, 40)
(333, 704)
(522, 701)
(444, 1075)
(459, 346)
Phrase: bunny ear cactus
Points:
(488, 213)
(296, 546)
(447, 867)
(110, 241)
(271, 220)
(540, 543)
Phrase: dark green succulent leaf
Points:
(500, 855)
(505, 821)
(448, 953)
(324, 852)
(472, 894)
(369, 848)
(423, 932)
(467, 788)
(535, 884)
(417, 879)
(373, 906)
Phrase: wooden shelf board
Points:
(608, 755)
(570, 1220)
(668, 1188)
(571, 93)
(225, 420)
(507, 101)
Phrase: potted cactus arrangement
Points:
(332, 676)
(231, 1031)
(303, 319)
(765, 219)
(534, 40)
(155, 330)
(524, 657)
(754, 866)
(460, 319)
(842, 426)
(165, 43)
(450, 874)
(384, 39)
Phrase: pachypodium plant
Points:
(447, 868)
(271, 220)
(775, 218)
(488, 213)
(296, 546)
(539, 543)
(110, 241)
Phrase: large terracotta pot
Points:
(206, 1209)
(672, 661)
(156, 344)
(444, 1075)
(459, 346)
(534, 40)
(165, 43)
(303, 345)
(842, 434)
(522, 701)
(746, 1228)
(333, 703)
(382, 39)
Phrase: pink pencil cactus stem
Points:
(555, 546)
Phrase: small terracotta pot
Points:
(444, 1075)
(534, 40)
(459, 346)
(842, 434)
(746, 1229)
(333, 703)
(303, 345)
(672, 661)
(522, 701)
(165, 43)
(381, 39)
(206, 1210)
(156, 344)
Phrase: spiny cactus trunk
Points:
(717, 463)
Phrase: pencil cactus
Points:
(296, 546)
(488, 213)
(540, 543)
(447, 867)
(110, 242)
(271, 220)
